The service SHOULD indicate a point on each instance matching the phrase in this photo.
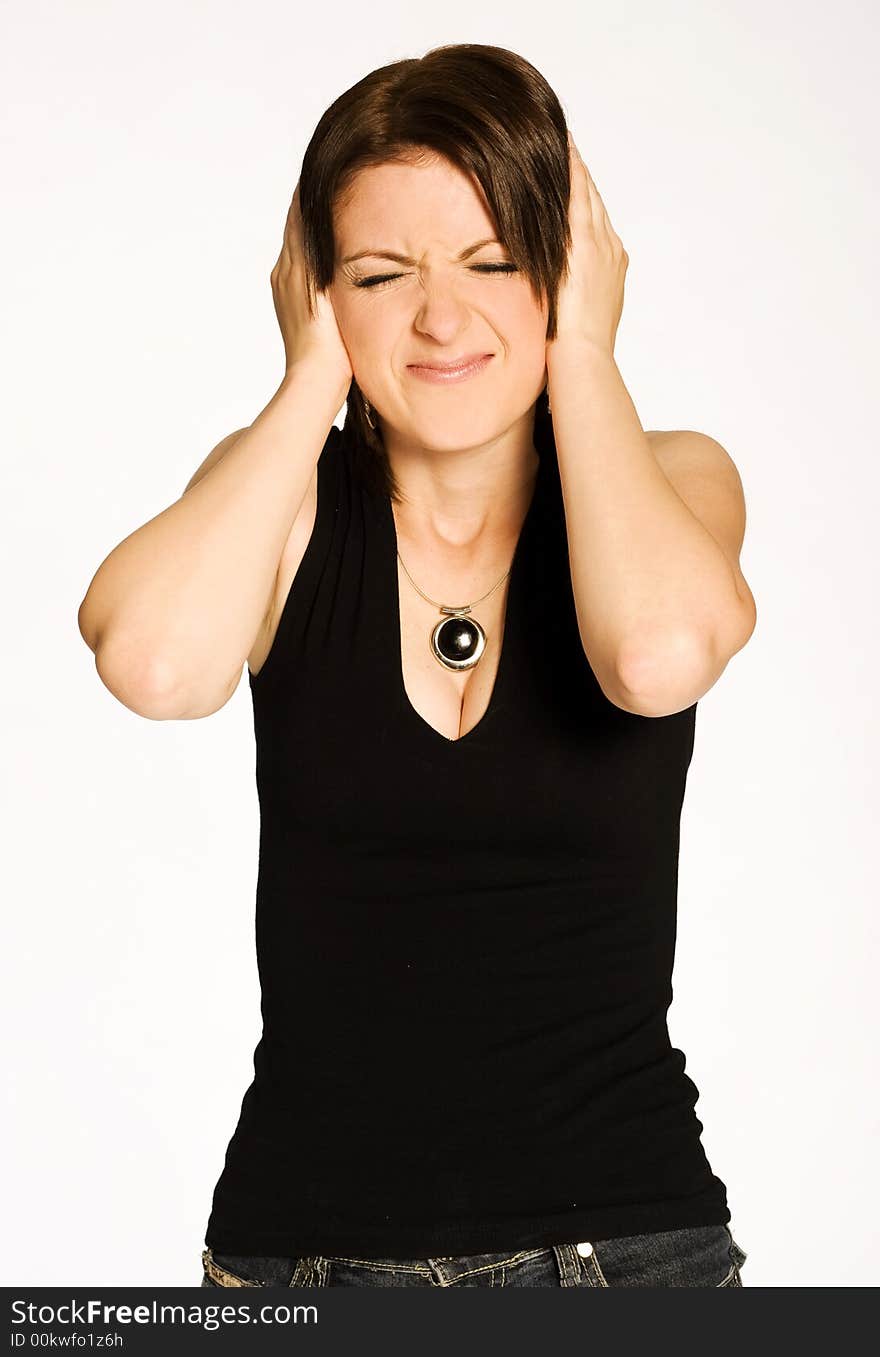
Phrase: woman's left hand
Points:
(591, 296)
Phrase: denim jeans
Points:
(704, 1255)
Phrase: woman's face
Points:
(438, 307)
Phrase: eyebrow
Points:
(405, 259)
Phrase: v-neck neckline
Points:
(403, 703)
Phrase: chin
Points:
(455, 431)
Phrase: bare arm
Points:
(661, 600)
(173, 611)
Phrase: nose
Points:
(442, 314)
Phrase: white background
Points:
(149, 155)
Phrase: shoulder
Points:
(686, 455)
(214, 456)
(679, 446)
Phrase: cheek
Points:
(346, 314)
(361, 331)
(522, 323)
(363, 316)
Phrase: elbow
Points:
(152, 688)
(747, 620)
(88, 628)
(141, 683)
(138, 682)
(662, 676)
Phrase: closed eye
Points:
(380, 279)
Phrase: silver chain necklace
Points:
(457, 640)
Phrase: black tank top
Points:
(465, 947)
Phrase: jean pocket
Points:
(227, 1269)
(703, 1255)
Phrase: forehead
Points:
(411, 204)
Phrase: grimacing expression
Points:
(443, 300)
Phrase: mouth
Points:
(459, 369)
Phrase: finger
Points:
(600, 213)
(579, 169)
(288, 220)
(613, 236)
(609, 228)
(291, 223)
(575, 163)
(580, 199)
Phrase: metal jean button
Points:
(584, 1249)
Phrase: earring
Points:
(547, 392)
(367, 408)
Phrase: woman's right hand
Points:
(304, 336)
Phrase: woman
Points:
(476, 634)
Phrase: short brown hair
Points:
(486, 110)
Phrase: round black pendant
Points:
(458, 642)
